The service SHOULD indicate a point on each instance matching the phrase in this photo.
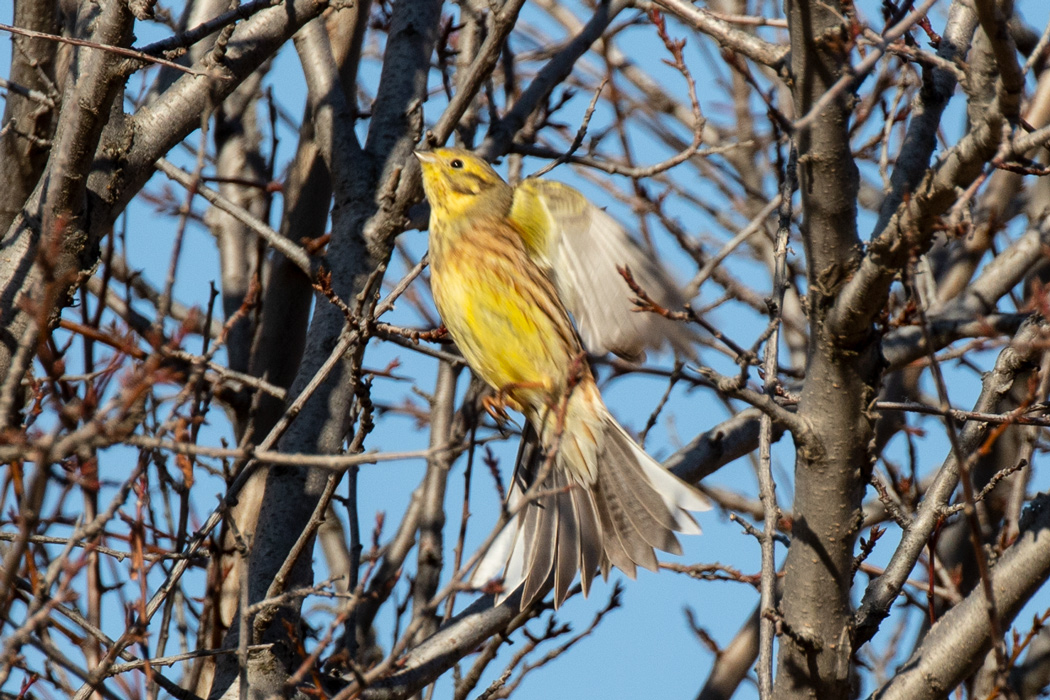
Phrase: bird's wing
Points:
(580, 247)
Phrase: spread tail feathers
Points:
(602, 503)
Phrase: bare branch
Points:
(882, 591)
(956, 645)
(726, 35)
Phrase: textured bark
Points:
(841, 380)
(53, 218)
(79, 207)
(432, 518)
(28, 123)
(238, 158)
(956, 645)
(361, 244)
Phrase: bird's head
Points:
(457, 182)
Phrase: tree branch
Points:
(955, 646)
(881, 592)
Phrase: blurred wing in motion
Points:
(579, 246)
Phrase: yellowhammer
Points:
(604, 502)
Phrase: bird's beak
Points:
(425, 156)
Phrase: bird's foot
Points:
(496, 406)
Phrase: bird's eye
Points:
(457, 164)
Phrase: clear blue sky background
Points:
(646, 645)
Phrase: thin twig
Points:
(766, 483)
(119, 50)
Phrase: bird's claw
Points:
(496, 406)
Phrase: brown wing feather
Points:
(584, 247)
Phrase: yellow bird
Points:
(604, 502)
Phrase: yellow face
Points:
(456, 181)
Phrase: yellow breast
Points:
(502, 311)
